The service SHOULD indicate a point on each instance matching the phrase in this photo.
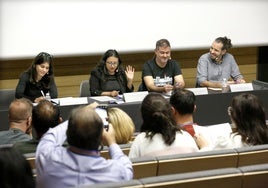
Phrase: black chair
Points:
(6, 96)
(84, 88)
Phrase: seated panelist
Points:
(108, 78)
(161, 73)
(216, 65)
(38, 80)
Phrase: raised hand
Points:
(129, 72)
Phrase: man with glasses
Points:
(161, 73)
(217, 65)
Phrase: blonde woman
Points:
(122, 124)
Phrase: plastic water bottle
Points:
(48, 96)
(224, 86)
(157, 81)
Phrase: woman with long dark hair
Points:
(38, 79)
(108, 78)
(159, 134)
(247, 114)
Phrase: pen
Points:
(42, 93)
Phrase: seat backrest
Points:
(84, 88)
(145, 166)
(197, 161)
(255, 176)
(30, 157)
(252, 155)
(124, 147)
(220, 178)
(122, 184)
(6, 96)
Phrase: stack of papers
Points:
(211, 132)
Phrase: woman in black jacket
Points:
(38, 80)
(108, 78)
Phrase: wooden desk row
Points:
(242, 177)
(190, 162)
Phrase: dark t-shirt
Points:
(150, 68)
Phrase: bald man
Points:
(20, 122)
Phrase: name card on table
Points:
(135, 96)
(104, 99)
(241, 87)
(72, 101)
(199, 90)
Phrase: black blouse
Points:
(101, 81)
(32, 91)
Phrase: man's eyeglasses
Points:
(112, 63)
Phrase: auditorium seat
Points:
(252, 155)
(220, 178)
(255, 176)
(124, 147)
(125, 184)
(144, 166)
(30, 157)
(196, 161)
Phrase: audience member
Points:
(45, 115)
(217, 64)
(20, 122)
(159, 134)
(247, 114)
(81, 162)
(15, 170)
(161, 73)
(123, 125)
(38, 80)
(108, 78)
(183, 106)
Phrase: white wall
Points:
(63, 27)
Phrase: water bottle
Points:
(157, 81)
(48, 96)
(224, 86)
